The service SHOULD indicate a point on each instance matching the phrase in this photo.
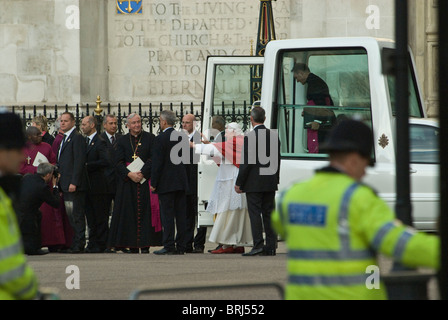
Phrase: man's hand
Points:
(55, 180)
(71, 188)
(135, 176)
(238, 189)
(315, 125)
(152, 189)
(204, 139)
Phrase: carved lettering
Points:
(178, 36)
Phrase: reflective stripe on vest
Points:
(10, 251)
(345, 252)
(316, 280)
(12, 274)
(400, 246)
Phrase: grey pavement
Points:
(117, 276)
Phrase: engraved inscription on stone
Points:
(160, 55)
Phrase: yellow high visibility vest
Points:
(333, 228)
(17, 279)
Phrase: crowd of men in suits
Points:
(155, 205)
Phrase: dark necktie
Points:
(112, 139)
(60, 146)
(87, 140)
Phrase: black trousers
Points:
(173, 217)
(30, 224)
(260, 206)
(97, 214)
(75, 208)
(197, 241)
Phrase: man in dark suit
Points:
(111, 136)
(169, 181)
(73, 181)
(97, 207)
(35, 191)
(258, 177)
(195, 244)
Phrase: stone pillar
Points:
(39, 46)
(94, 50)
(423, 42)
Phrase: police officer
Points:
(333, 225)
(17, 279)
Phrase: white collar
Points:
(109, 135)
(91, 136)
(192, 134)
(69, 132)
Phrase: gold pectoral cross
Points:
(134, 156)
(28, 159)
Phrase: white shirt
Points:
(109, 136)
(66, 135)
(91, 137)
(190, 135)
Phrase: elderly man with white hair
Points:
(231, 228)
(134, 228)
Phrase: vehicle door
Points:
(227, 94)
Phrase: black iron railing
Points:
(148, 112)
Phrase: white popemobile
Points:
(351, 67)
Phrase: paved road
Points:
(117, 276)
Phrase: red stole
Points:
(231, 150)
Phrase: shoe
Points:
(93, 250)
(222, 250)
(165, 252)
(110, 250)
(268, 252)
(72, 250)
(253, 252)
(197, 250)
(238, 250)
(218, 247)
(39, 252)
(144, 250)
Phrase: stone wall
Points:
(160, 55)
(39, 46)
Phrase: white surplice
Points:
(232, 224)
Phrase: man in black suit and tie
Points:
(35, 191)
(73, 181)
(97, 207)
(258, 177)
(110, 135)
(169, 181)
(195, 244)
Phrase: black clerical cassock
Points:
(133, 224)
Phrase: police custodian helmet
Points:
(350, 135)
(12, 135)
